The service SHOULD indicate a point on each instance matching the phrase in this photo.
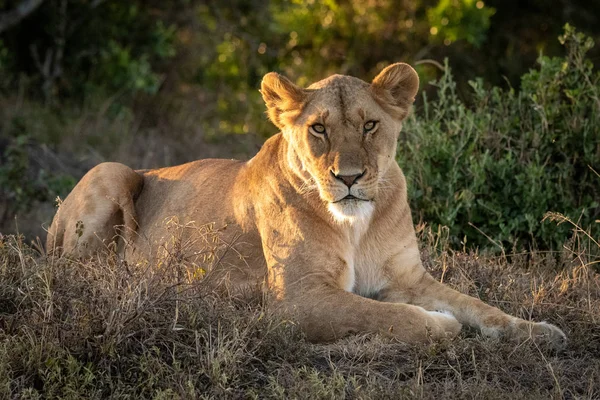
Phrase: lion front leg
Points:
(311, 288)
(418, 287)
(311, 278)
(327, 313)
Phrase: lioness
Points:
(319, 215)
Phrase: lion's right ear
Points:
(284, 100)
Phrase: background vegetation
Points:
(494, 144)
(491, 169)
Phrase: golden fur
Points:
(340, 264)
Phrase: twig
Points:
(14, 16)
(432, 62)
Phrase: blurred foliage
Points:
(491, 171)
(18, 188)
(3, 56)
(76, 48)
(465, 20)
(174, 71)
(309, 40)
(72, 47)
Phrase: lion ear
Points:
(395, 89)
(284, 100)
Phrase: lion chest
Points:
(364, 275)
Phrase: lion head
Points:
(342, 132)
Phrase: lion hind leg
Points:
(98, 212)
(127, 225)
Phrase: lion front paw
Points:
(542, 333)
(444, 324)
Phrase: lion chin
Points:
(351, 211)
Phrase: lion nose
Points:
(348, 180)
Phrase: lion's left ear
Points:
(395, 89)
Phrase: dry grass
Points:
(106, 329)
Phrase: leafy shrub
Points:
(492, 169)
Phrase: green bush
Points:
(490, 170)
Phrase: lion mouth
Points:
(349, 197)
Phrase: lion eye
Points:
(369, 126)
(318, 128)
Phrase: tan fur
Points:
(340, 266)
